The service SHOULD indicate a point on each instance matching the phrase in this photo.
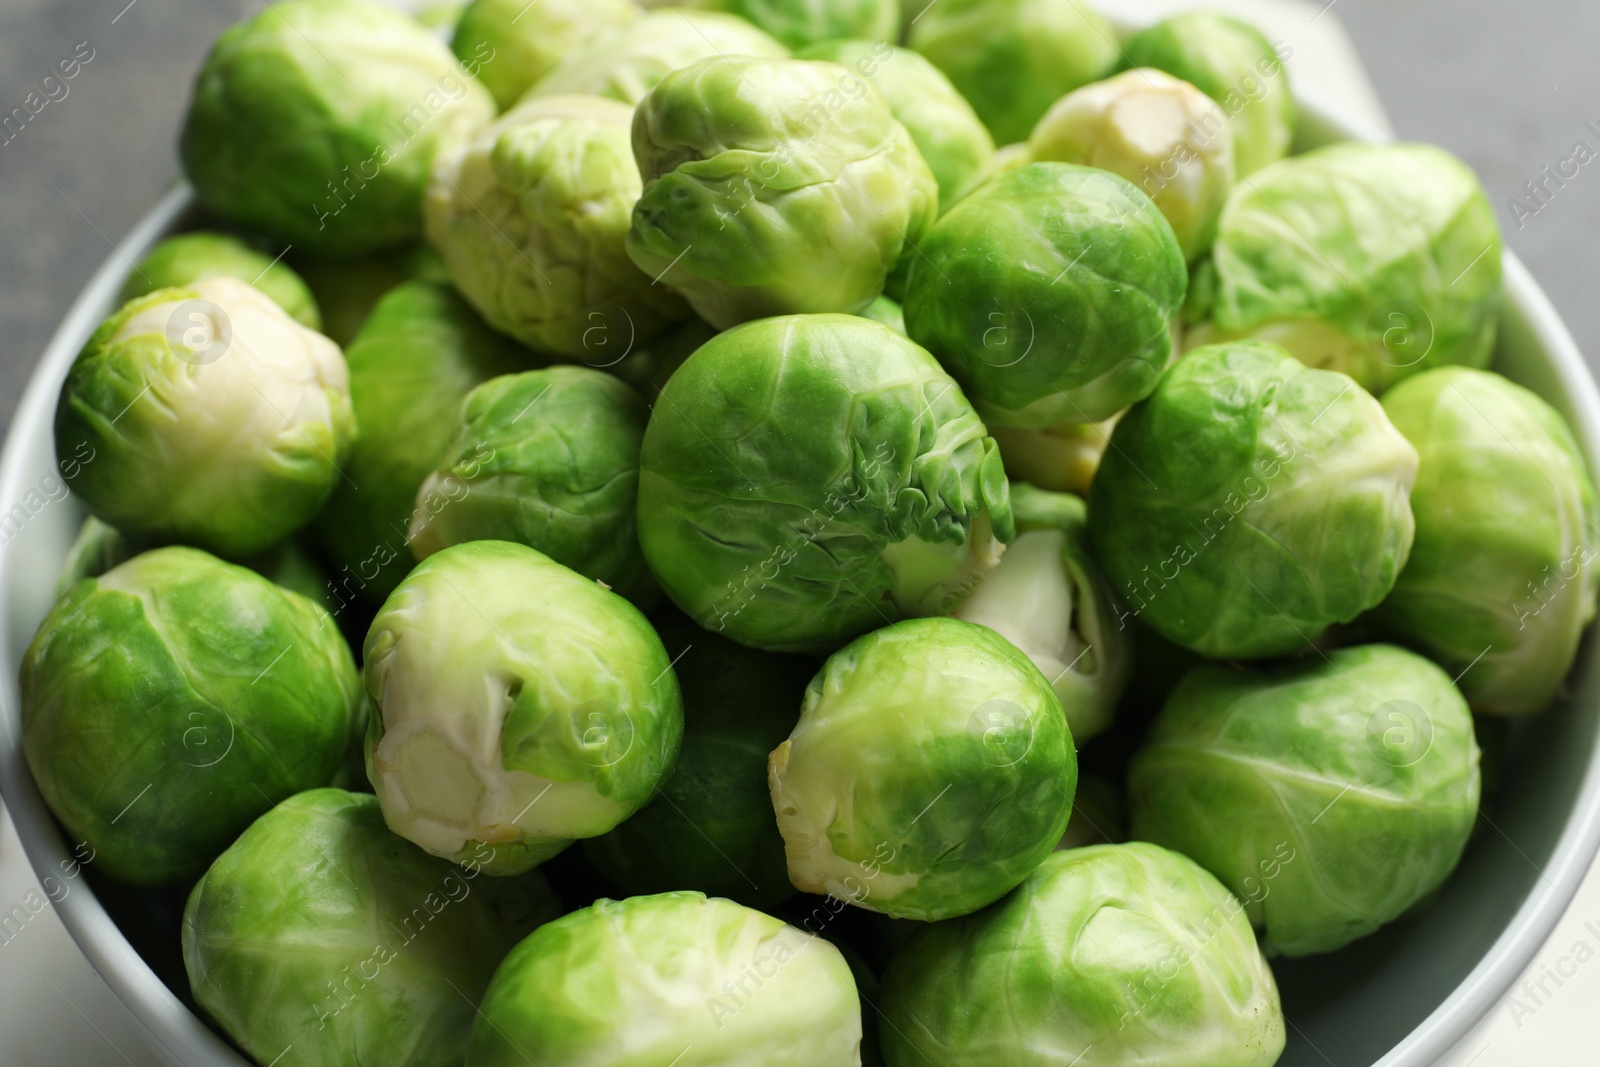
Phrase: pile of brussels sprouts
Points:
(969, 606)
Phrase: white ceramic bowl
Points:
(1397, 999)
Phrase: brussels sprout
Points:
(549, 459)
(712, 828)
(316, 121)
(347, 292)
(1105, 956)
(1502, 577)
(530, 219)
(483, 707)
(931, 770)
(1148, 127)
(1078, 324)
(1049, 598)
(172, 700)
(947, 131)
(510, 44)
(1330, 795)
(799, 23)
(1061, 458)
(1251, 502)
(774, 186)
(674, 980)
(191, 257)
(1014, 58)
(413, 364)
(629, 63)
(306, 935)
(1232, 63)
(1376, 260)
(805, 479)
(207, 415)
(887, 312)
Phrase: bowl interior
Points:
(1401, 996)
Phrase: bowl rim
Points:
(183, 1038)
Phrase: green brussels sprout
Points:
(805, 479)
(800, 23)
(931, 770)
(548, 459)
(531, 218)
(209, 416)
(888, 312)
(510, 44)
(511, 732)
(774, 186)
(1502, 576)
(1376, 260)
(1014, 58)
(1062, 459)
(1079, 323)
(416, 359)
(1232, 63)
(712, 828)
(170, 701)
(191, 257)
(347, 292)
(1304, 459)
(1148, 127)
(1049, 598)
(307, 935)
(1105, 956)
(955, 144)
(316, 122)
(629, 63)
(1329, 795)
(674, 980)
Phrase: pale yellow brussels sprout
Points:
(508, 45)
(1160, 133)
(1062, 458)
(1232, 63)
(212, 418)
(516, 707)
(630, 62)
(1049, 597)
(530, 219)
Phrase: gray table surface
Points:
(1508, 86)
